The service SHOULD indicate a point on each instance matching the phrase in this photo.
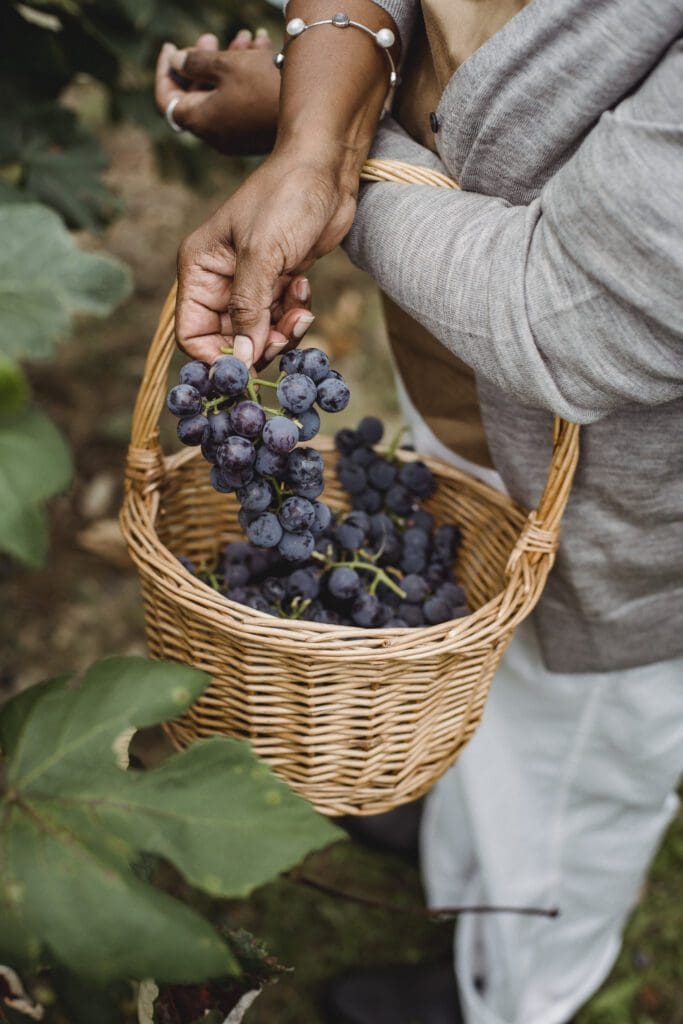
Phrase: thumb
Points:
(252, 294)
(198, 64)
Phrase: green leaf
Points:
(13, 387)
(73, 824)
(45, 279)
(35, 464)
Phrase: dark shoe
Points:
(396, 831)
(411, 994)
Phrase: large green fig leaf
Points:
(35, 464)
(45, 279)
(73, 824)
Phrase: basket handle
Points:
(144, 466)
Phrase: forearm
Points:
(334, 84)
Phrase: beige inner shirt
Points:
(440, 385)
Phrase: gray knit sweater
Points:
(558, 276)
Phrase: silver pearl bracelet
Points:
(384, 38)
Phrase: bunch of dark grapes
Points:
(252, 446)
(385, 564)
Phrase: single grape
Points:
(368, 500)
(322, 518)
(196, 374)
(333, 395)
(437, 572)
(412, 614)
(315, 364)
(273, 589)
(413, 561)
(296, 393)
(352, 478)
(344, 583)
(220, 426)
(187, 563)
(259, 604)
(418, 479)
(422, 519)
(190, 429)
(396, 622)
(236, 575)
(460, 612)
(248, 419)
(414, 537)
(280, 435)
(265, 530)
(296, 514)
(363, 457)
(312, 492)
(296, 547)
(381, 527)
(346, 440)
(261, 562)
(184, 400)
(399, 500)
(349, 537)
(370, 430)
(270, 463)
(230, 376)
(236, 454)
(239, 595)
(237, 551)
(209, 449)
(446, 541)
(453, 594)
(218, 483)
(305, 467)
(244, 518)
(303, 583)
(292, 361)
(382, 474)
(327, 616)
(256, 496)
(436, 610)
(310, 425)
(415, 588)
(365, 610)
(389, 550)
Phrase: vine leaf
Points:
(35, 464)
(45, 279)
(73, 825)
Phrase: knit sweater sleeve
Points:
(571, 303)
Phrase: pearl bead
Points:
(296, 26)
(385, 38)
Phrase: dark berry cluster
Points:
(385, 564)
(252, 446)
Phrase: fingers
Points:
(208, 41)
(262, 40)
(204, 289)
(242, 41)
(164, 86)
(198, 64)
(254, 287)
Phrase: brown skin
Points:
(234, 270)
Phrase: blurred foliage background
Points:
(95, 194)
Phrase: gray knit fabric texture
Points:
(558, 275)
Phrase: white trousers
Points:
(560, 799)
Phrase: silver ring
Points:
(168, 114)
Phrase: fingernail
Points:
(178, 58)
(262, 33)
(301, 326)
(274, 349)
(243, 33)
(303, 290)
(243, 349)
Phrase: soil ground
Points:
(85, 604)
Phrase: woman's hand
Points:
(229, 98)
(236, 273)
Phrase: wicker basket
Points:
(357, 721)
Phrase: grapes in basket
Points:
(384, 564)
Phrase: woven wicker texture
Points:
(357, 721)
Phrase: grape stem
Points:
(263, 383)
(380, 575)
(394, 446)
(251, 390)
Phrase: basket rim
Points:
(481, 629)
